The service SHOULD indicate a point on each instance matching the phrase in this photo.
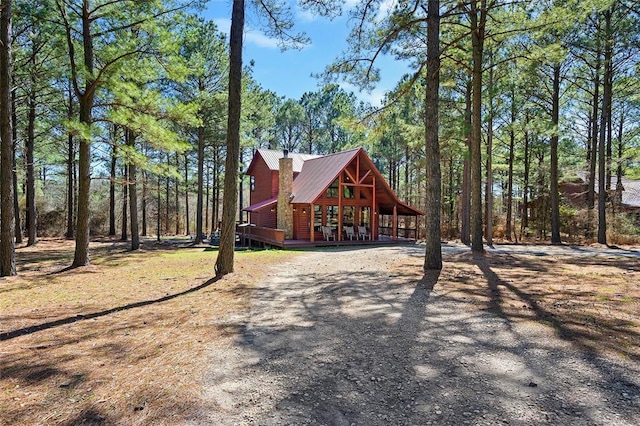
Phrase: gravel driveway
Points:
(342, 337)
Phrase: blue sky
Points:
(288, 73)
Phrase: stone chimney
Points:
(285, 191)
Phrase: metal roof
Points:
(261, 204)
(318, 173)
(630, 194)
(313, 174)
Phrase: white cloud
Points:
(223, 24)
(305, 15)
(250, 35)
(386, 7)
(374, 97)
(260, 40)
(348, 4)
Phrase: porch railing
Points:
(265, 235)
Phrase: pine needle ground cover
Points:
(123, 341)
(127, 340)
(592, 301)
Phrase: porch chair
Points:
(362, 232)
(328, 234)
(350, 232)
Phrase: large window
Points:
(332, 216)
(365, 217)
(317, 218)
(348, 215)
(332, 191)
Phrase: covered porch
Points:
(256, 236)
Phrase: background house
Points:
(627, 201)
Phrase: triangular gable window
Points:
(332, 191)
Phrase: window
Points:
(332, 216)
(365, 217)
(332, 191)
(348, 215)
(252, 183)
(317, 218)
(348, 192)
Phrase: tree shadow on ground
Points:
(523, 297)
(381, 348)
(83, 317)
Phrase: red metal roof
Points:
(261, 204)
(385, 197)
(318, 173)
(313, 174)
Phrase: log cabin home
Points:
(302, 199)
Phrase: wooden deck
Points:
(290, 244)
(255, 236)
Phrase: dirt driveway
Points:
(360, 337)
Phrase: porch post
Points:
(312, 218)
(394, 233)
(340, 192)
(374, 212)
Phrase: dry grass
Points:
(123, 341)
(592, 302)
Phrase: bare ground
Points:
(360, 337)
(521, 335)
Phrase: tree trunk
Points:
(133, 194)
(215, 215)
(112, 190)
(465, 228)
(488, 193)
(543, 206)
(30, 217)
(187, 230)
(593, 154)
(433, 253)
(215, 193)
(609, 75)
(525, 189)
(167, 188)
(453, 219)
(240, 184)
(554, 196)
(71, 174)
(619, 187)
(512, 144)
(145, 190)
(224, 262)
(86, 100)
(14, 143)
(606, 108)
(200, 206)
(206, 200)
(407, 175)
(125, 198)
(478, 19)
(158, 221)
(7, 243)
(177, 196)
(620, 158)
